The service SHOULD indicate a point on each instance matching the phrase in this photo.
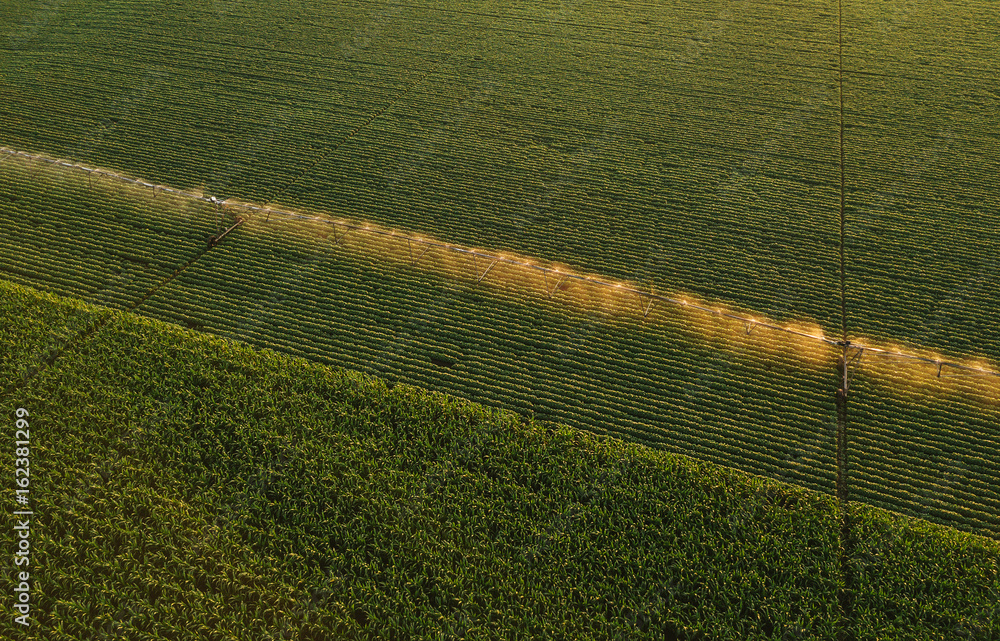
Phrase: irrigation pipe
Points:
(494, 259)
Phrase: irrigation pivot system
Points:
(853, 351)
(551, 277)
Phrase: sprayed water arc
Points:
(553, 278)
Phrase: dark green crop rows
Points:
(922, 241)
(907, 571)
(685, 389)
(242, 493)
(688, 147)
(228, 493)
(675, 382)
(926, 447)
(97, 239)
(234, 97)
(692, 146)
(922, 144)
(660, 383)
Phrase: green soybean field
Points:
(504, 320)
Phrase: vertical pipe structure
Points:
(845, 344)
(842, 367)
(845, 598)
(847, 546)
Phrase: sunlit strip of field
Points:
(680, 378)
(529, 277)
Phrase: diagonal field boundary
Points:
(547, 277)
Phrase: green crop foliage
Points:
(274, 83)
(701, 137)
(608, 147)
(902, 577)
(923, 203)
(92, 238)
(680, 383)
(244, 492)
(926, 447)
(689, 148)
(32, 340)
(667, 383)
(251, 492)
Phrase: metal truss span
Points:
(550, 277)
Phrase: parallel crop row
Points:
(668, 184)
(700, 137)
(106, 243)
(698, 158)
(424, 513)
(930, 455)
(240, 113)
(271, 493)
(661, 384)
(745, 405)
(923, 147)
